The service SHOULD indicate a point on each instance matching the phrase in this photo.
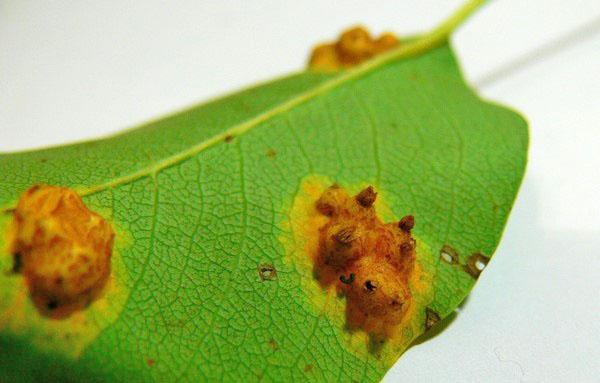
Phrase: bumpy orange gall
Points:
(353, 47)
(61, 247)
(369, 261)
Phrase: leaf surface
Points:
(201, 198)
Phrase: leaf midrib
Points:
(238, 129)
(426, 42)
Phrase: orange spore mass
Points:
(381, 257)
(63, 249)
(353, 47)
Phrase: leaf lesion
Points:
(354, 46)
(379, 258)
(62, 248)
(380, 287)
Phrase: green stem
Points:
(432, 39)
(445, 29)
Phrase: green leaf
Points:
(201, 198)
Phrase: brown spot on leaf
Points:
(449, 255)
(273, 344)
(150, 362)
(353, 47)
(475, 264)
(267, 272)
(228, 138)
(271, 153)
(62, 248)
(431, 318)
(308, 368)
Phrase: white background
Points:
(72, 70)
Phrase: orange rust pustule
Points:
(63, 249)
(353, 47)
(369, 261)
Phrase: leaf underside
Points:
(196, 212)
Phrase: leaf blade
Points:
(425, 145)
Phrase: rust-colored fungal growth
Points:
(353, 47)
(62, 248)
(369, 261)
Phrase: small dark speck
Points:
(308, 368)
(52, 304)
(17, 263)
(267, 272)
(370, 286)
(431, 318)
(273, 344)
(42, 160)
(228, 138)
(271, 153)
(150, 362)
(347, 281)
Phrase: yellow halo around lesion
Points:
(301, 242)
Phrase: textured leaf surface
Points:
(196, 212)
